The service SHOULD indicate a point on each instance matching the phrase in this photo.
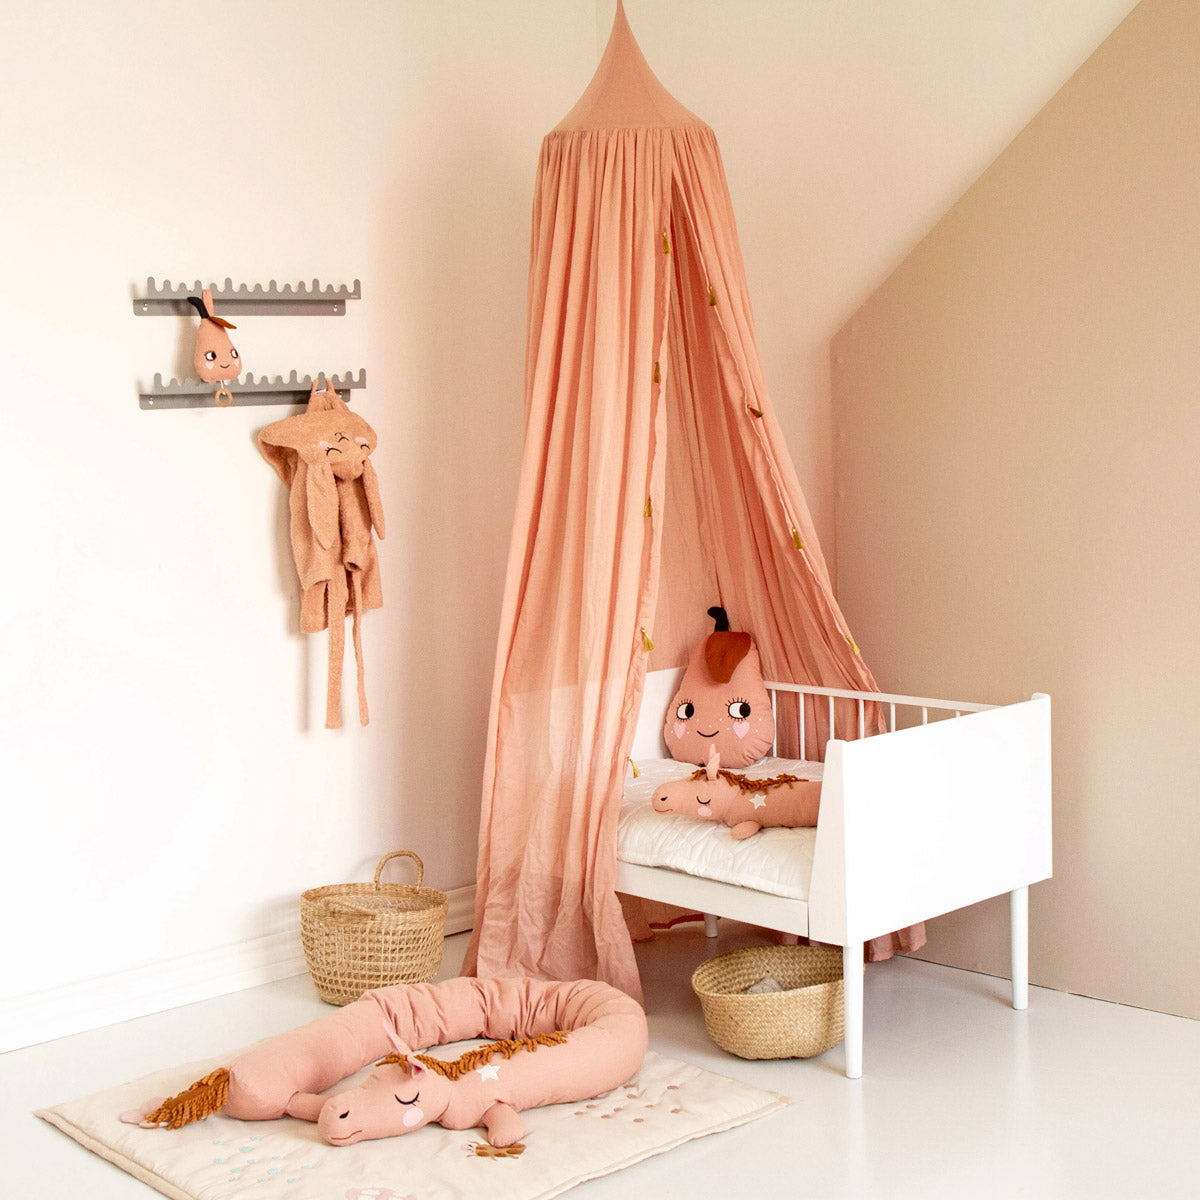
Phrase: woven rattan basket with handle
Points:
(805, 1019)
(359, 936)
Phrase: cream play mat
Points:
(665, 1104)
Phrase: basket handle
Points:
(350, 906)
(398, 854)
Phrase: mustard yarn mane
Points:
(747, 785)
(480, 1056)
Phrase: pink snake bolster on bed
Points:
(553, 1043)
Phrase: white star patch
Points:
(759, 800)
(491, 1071)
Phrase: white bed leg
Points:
(1018, 919)
(852, 983)
(710, 925)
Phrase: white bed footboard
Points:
(926, 820)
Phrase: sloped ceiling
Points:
(851, 126)
(848, 129)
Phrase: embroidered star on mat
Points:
(491, 1071)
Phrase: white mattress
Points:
(778, 861)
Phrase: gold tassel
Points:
(853, 645)
(796, 539)
(204, 1097)
(712, 295)
(666, 243)
(634, 765)
(754, 412)
(646, 513)
(657, 374)
(646, 641)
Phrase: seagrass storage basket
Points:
(359, 936)
(805, 1019)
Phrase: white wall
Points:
(167, 786)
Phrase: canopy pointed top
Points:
(624, 92)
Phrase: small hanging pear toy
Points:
(216, 358)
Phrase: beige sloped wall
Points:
(1018, 429)
(846, 129)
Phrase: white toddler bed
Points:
(914, 822)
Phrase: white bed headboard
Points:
(648, 737)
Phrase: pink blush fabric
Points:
(655, 482)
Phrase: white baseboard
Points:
(460, 913)
(93, 1003)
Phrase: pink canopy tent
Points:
(655, 483)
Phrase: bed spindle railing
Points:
(802, 691)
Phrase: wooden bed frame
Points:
(914, 822)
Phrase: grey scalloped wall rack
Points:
(167, 300)
(170, 299)
(266, 390)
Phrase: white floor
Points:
(961, 1098)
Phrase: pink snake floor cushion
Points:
(557, 1042)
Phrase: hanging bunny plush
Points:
(323, 456)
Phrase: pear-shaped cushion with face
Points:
(215, 358)
(721, 702)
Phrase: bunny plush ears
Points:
(721, 706)
(332, 443)
(216, 358)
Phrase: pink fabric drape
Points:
(655, 483)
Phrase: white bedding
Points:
(778, 861)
